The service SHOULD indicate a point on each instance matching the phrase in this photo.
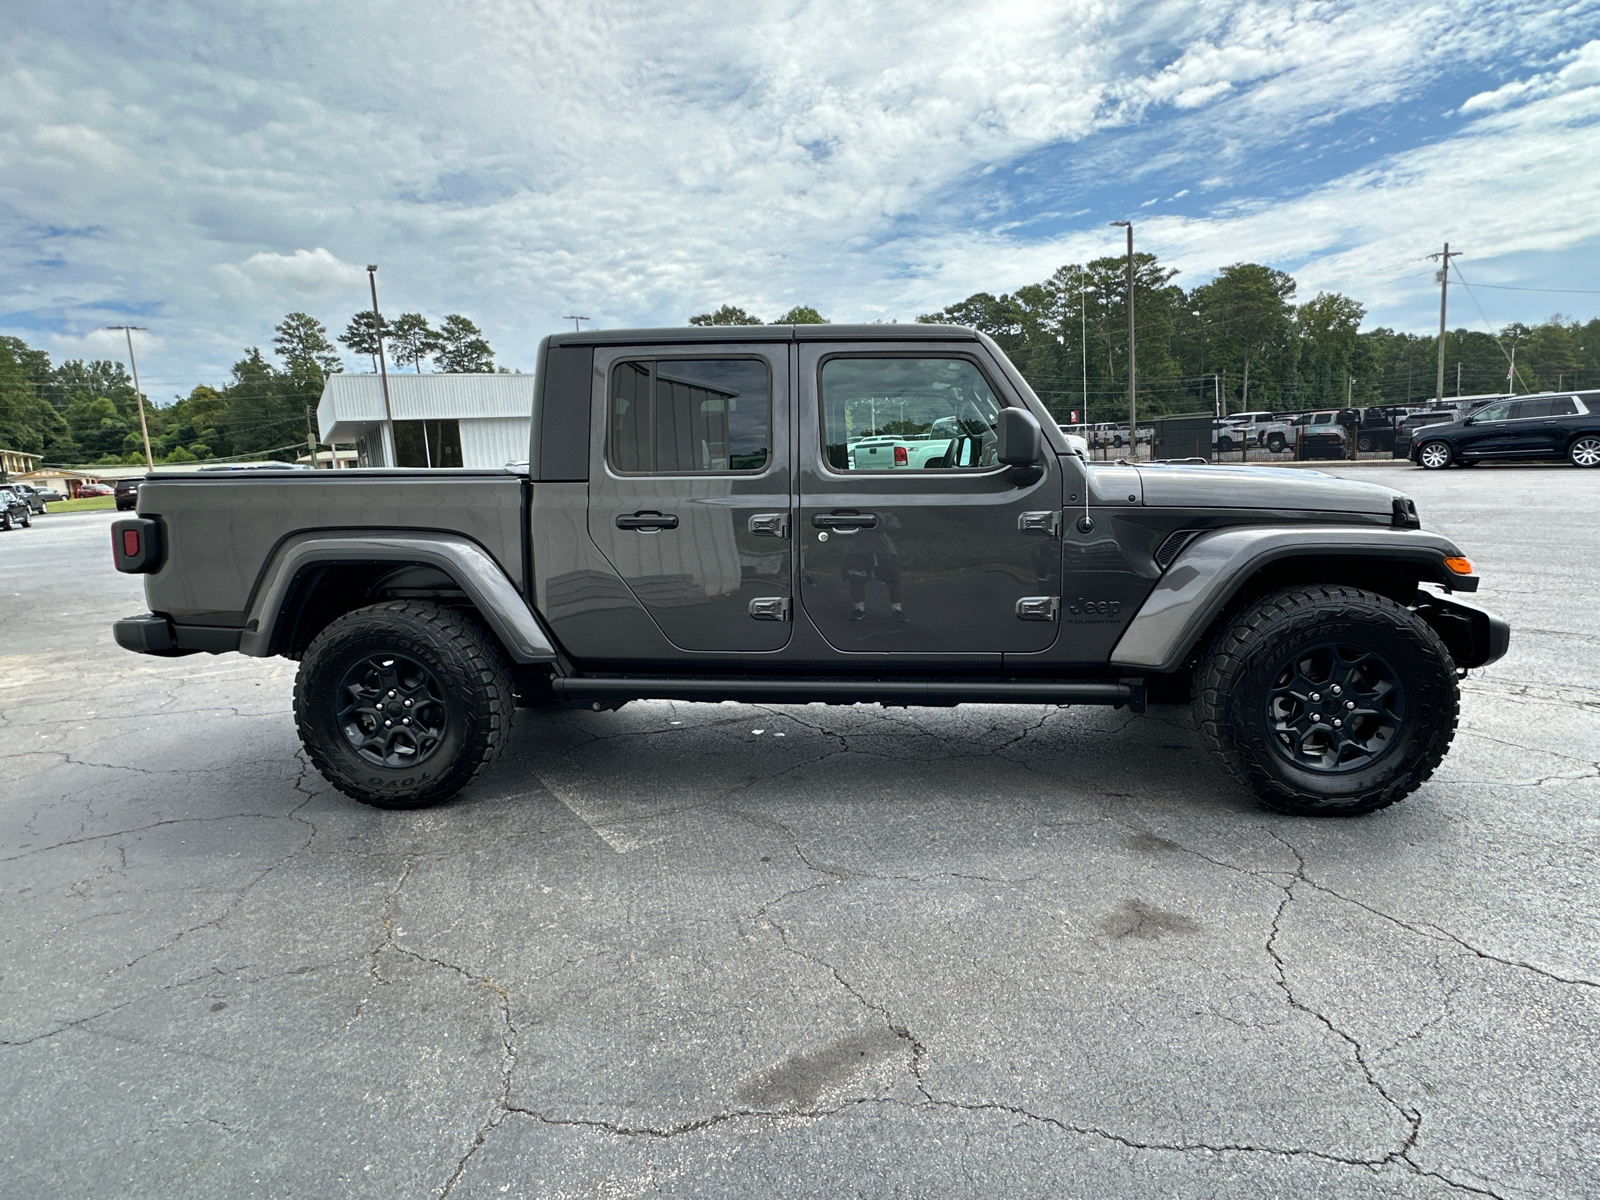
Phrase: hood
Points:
(1178, 486)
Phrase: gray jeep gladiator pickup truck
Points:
(692, 525)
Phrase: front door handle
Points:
(845, 520)
(648, 521)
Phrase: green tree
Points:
(462, 348)
(302, 342)
(265, 408)
(28, 422)
(361, 335)
(800, 314)
(726, 315)
(413, 340)
(1247, 309)
(1329, 330)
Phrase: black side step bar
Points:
(929, 692)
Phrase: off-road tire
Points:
(1441, 457)
(473, 676)
(1236, 676)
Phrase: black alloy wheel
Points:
(393, 711)
(1326, 700)
(1336, 708)
(1585, 452)
(402, 704)
(1435, 456)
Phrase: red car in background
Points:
(93, 489)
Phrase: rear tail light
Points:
(136, 545)
(900, 458)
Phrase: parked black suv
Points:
(127, 493)
(14, 509)
(1529, 428)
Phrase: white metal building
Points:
(439, 420)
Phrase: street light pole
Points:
(1083, 312)
(144, 428)
(1133, 377)
(383, 369)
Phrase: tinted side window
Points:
(689, 416)
(884, 413)
(1536, 408)
(1563, 407)
(1495, 412)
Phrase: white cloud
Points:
(312, 273)
(84, 144)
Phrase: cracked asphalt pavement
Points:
(735, 951)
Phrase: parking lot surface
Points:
(741, 951)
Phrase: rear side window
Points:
(1563, 406)
(689, 416)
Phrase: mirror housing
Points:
(1019, 441)
(1470, 421)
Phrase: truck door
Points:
(950, 556)
(689, 489)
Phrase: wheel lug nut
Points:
(391, 691)
(1337, 724)
(1349, 703)
(1317, 717)
(387, 724)
(406, 721)
(1314, 696)
(408, 704)
(1337, 690)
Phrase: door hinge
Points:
(769, 524)
(1047, 523)
(770, 608)
(1038, 608)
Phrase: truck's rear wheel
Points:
(1328, 701)
(400, 705)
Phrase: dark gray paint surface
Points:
(222, 530)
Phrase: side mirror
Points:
(1019, 442)
(1470, 421)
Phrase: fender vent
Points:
(1173, 546)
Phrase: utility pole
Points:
(1133, 393)
(577, 326)
(144, 428)
(1444, 290)
(389, 452)
(1511, 374)
(311, 441)
(1458, 377)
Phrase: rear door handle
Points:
(845, 520)
(648, 521)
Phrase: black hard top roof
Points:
(909, 332)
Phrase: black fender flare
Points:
(472, 568)
(1197, 586)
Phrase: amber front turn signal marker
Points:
(1459, 565)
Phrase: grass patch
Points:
(82, 504)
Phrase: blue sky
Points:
(202, 169)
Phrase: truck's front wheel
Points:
(400, 705)
(1328, 701)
